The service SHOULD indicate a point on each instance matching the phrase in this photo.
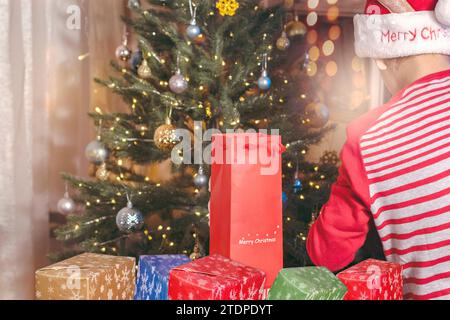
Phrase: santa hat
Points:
(401, 28)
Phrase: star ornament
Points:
(227, 7)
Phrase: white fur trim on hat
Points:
(400, 35)
(443, 12)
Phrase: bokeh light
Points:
(312, 4)
(333, 13)
(312, 36)
(359, 81)
(311, 69)
(331, 69)
(314, 53)
(311, 18)
(356, 64)
(328, 48)
(334, 33)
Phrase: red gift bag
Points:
(373, 280)
(246, 200)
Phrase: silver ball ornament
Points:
(318, 114)
(66, 205)
(129, 219)
(134, 4)
(123, 53)
(96, 152)
(193, 30)
(200, 179)
(178, 83)
(264, 82)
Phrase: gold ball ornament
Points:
(144, 71)
(102, 173)
(165, 137)
(296, 28)
(283, 42)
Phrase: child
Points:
(396, 161)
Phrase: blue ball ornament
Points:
(284, 197)
(136, 60)
(264, 82)
(297, 186)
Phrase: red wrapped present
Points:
(216, 278)
(246, 200)
(373, 280)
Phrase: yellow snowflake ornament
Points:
(227, 7)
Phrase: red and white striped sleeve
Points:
(342, 226)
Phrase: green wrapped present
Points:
(310, 283)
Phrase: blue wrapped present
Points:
(153, 275)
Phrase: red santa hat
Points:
(401, 28)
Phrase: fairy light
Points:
(160, 228)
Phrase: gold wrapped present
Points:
(88, 277)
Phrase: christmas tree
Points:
(217, 63)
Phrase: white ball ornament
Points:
(442, 11)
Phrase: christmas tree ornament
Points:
(144, 71)
(193, 30)
(129, 219)
(283, 42)
(330, 157)
(297, 186)
(66, 205)
(96, 152)
(318, 114)
(196, 254)
(306, 62)
(264, 82)
(227, 7)
(134, 4)
(123, 52)
(102, 173)
(178, 84)
(136, 60)
(314, 216)
(201, 180)
(165, 136)
(284, 197)
(296, 28)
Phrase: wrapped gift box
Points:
(373, 280)
(246, 200)
(88, 277)
(153, 276)
(216, 278)
(308, 283)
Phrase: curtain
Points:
(51, 51)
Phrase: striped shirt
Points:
(403, 151)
